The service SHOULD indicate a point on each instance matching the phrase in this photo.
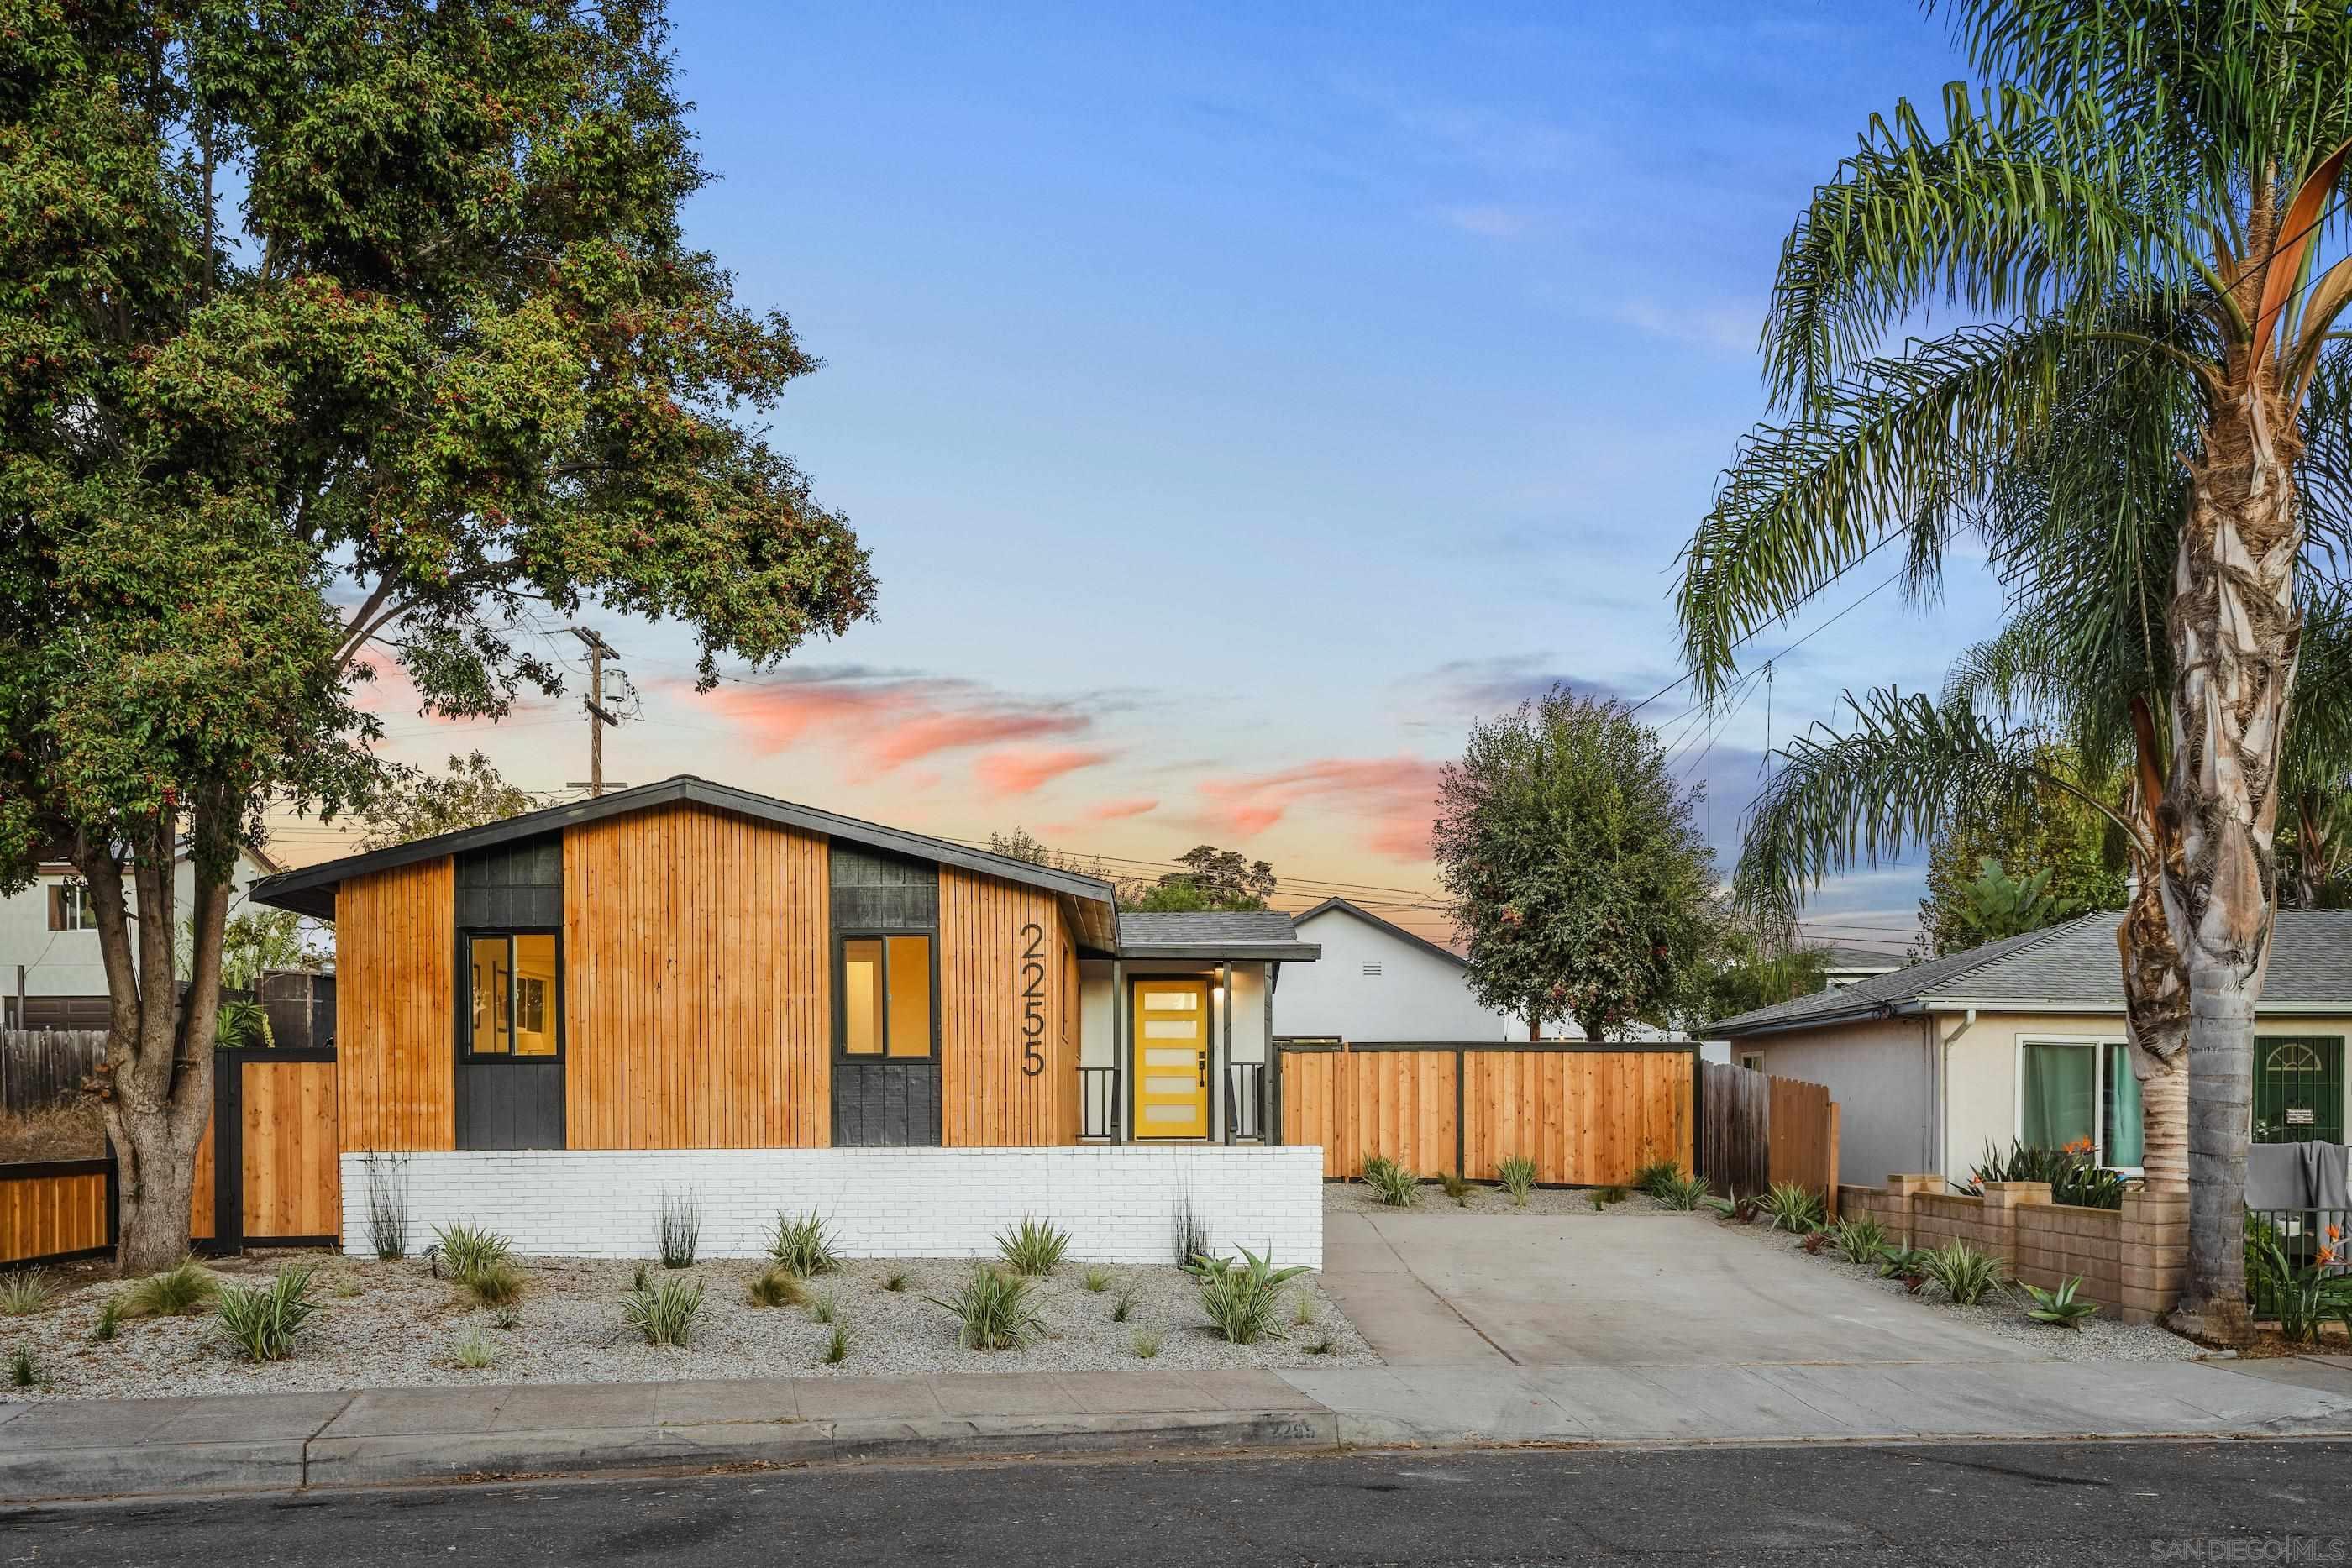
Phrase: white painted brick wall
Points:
(1117, 1202)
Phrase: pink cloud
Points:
(1023, 773)
(1394, 797)
(884, 723)
(1114, 811)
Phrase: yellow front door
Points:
(1171, 1058)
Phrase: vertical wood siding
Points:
(697, 991)
(395, 936)
(1318, 1106)
(986, 1101)
(200, 1203)
(1404, 1108)
(293, 1182)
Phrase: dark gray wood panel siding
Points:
(873, 892)
(518, 883)
(886, 1104)
(510, 1105)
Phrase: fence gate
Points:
(274, 1122)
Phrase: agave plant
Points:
(2061, 1306)
(1244, 1299)
(1793, 1209)
(1965, 1273)
(1395, 1186)
(261, 1320)
(1859, 1238)
(992, 1311)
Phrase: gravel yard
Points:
(400, 1327)
(1544, 1202)
(2101, 1338)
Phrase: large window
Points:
(2077, 1091)
(514, 995)
(885, 996)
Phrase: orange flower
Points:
(2326, 1256)
(2335, 1233)
(2079, 1146)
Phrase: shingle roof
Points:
(1203, 927)
(2072, 964)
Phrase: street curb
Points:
(59, 1475)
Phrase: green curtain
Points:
(2122, 1145)
(2061, 1096)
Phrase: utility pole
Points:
(598, 717)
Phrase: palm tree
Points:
(2134, 213)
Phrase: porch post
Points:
(1225, 1069)
(1121, 1092)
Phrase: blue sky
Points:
(1236, 406)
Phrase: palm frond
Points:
(1905, 772)
(1923, 444)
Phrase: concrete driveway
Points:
(1441, 1287)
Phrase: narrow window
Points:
(2119, 1112)
(514, 1002)
(862, 996)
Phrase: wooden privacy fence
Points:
(53, 1211)
(40, 1067)
(1586, 1115)
(274, 1122)
(1757, 1130)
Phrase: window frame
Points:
(2103, 1049)
(841, 1051)
(466, 936)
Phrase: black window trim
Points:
(841, 941)
(463, 978)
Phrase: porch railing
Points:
(1097, 1102)
(2300, 1234)
(1245, 1103)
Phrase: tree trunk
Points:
(2156, 1021)
(2234, 631)
(155, 1087)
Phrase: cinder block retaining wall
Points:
(1117, 1203)
(2133, 1261)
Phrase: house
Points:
(1378, 981)
(1848, 966)
(51, 973)
(546, 1023)
(2024, 1040)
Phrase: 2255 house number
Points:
(1032, 999)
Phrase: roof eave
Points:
(1250, 952)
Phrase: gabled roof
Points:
(311, 890)
(2068, 967)
(1341, 906)
(1257, 935)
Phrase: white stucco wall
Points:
(1416, 995)
(1118, 1202)
(1879, 1072)
(67, 963)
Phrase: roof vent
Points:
(1371, 966)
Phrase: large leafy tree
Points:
(2075, 854)
(410, 803)
(1574, 866)
(2138, 212)
(335, 335)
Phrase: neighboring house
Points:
(48, 943)
(2024, 1039)
(553, 1017)
(1852, 966)
(1378, 981)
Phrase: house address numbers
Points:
(1032, 999)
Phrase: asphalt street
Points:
(2026, 1504)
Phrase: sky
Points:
(1240, 400)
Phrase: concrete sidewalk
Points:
(284, 1442)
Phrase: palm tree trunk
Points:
(2156, 1018)
(2234, 633)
